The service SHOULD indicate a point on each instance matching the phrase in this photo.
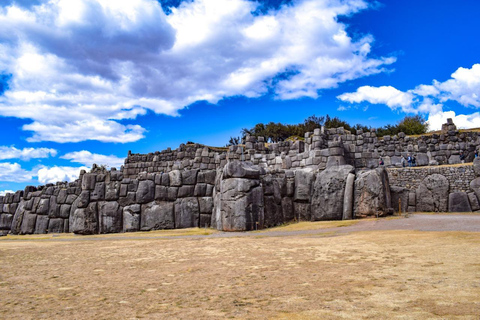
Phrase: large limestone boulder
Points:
(131, 218)
(6, 221)
(372, 193)
(329, 192)
(459, 202)
(85, 220)
(304, 180)
(238, 199)
(475, 186)
(18, 218)
(56, 225)
(41, 226)
(400, 197)
(187, 213)
(432, 194)
(241, 169)
(157, 215)
(145, 191)
(109, 217)
(28, 224)
(476, 166)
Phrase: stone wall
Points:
(330, 175)
(459, 177)
(362, 150)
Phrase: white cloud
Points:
(14, 172)
(463, 87)
(26, 153)
(462, 121)
(4, 192)
(380, 95)
(87, 158)
(55, 174)
(81, 66)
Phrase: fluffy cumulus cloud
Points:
(4, 192)
(87, 158)
(380, 95)
(80, 67)
(13, 172)
(26, 153)
(462, 88)
(57, 173)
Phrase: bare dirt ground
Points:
(371, 269)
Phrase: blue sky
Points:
(84, 81)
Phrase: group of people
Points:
(411, 160)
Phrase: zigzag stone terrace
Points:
(331, 175)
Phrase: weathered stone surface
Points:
(200, 190)
(65, 211)
(172, 193)
(432, 194)
(239, 169)
(475, 186)
(474, 203)
(239, 204)
(88, 181)
(112, 191)
(6, 221)
(476, 166)
(128, 200)
(55, 225)
(18, 218)
(41, 225)
(189, 177)
(205, 220)
(161, 193)
(205, 205)
(53, 208)
(328, 193)
(145, 191)
(304, 180)
(83, 200)
(98, 193)
(131, 218)
(43, 206)
(348, 197)
(85, 220)
(62, 196)
(400, 198)
(458, 202)
(109, 217)
(422, 159)
(302, 211)
(157, 215)
(273, 215)
(372, 193)
(287, 209)
(186, 213)
(175, 178)
(28, 224)
(186, 191)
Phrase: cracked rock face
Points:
(432, 194)
(239, 204)
(372, 193)
(329, 193)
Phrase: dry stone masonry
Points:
(330, 175)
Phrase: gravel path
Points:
(421, 222)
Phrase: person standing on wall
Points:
(403, 161)
(409, 160)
